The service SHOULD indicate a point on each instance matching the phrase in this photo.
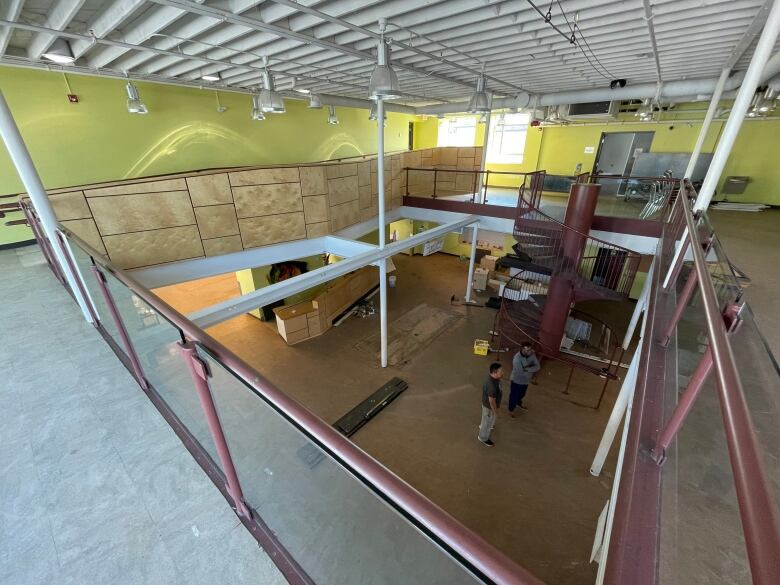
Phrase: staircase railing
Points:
(564, 250)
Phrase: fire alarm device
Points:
(73, 98)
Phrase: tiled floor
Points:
(94, 486)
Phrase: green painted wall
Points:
(558, 149)
(98, 140)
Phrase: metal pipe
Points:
(23, 163)
(740, 107)
(380, 174)
(757, 506)
(618, 410)
(484, 158)
(472, 261)
(651, 31)
(200, 375)
(705, 125)
(641, 305)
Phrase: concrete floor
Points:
(94, 485)
(532, 496)
(751, 241)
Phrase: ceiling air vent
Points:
(592, 110)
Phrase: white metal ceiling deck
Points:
(329, 45)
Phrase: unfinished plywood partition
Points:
(143, 222)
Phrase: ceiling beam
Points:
(12, 11)
(58, 17)
(105, 21)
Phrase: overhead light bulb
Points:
(270, 99)
(332, 118)
(480, 99)
(315, 103)
(257, 108)
(134, 103)
(211, 77)
(384, 82)
(59, 52)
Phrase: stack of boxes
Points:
(486, 277)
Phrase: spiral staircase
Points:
(546, 249)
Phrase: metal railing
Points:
(698, 323)
(437, 182)
(657, 193)
(228, 414)
(590, 261)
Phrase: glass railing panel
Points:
(637, 198)
(156, 342)
(336, 527)
(701, 538)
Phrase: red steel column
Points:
(560, 293)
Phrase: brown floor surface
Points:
(531, 496)
(752, 241)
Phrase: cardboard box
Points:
(480, 278)
(488, 262)
(494, 284)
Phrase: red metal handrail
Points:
(474, 551)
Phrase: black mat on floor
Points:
(351, 422)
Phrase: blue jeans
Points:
(516, 395)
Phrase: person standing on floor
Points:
(491, 401)
(524, 365)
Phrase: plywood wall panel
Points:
(265, 176)
(262, 231)
(120, 214)
(142, 187)
(216, 221)
(260, 200)
(71, 205)
(154, 247)
(225, 245)
(316, 230)
(315, 208)
(210, 189)
(314, 180)
(87, 231)
(364, 173)
(344, 215)
(343, 189)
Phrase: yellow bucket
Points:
(481, 347)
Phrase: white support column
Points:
(751, 80)
(705, 125)
(615, 418)
(481, 181)
(472, 260)
(640, 307)
(32, 183)
(380, 168)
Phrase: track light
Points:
(134, 103)
(646, 111)
(270, 99)
(480, 99)
(59, 52)
(384, 82)
(257, 108)
(315, 103)
(332, 118)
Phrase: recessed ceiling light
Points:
(211, 77)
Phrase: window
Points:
(457, 132)
(506, 139)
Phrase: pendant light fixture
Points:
(372, 113)
(480, 99)
(315, 103)
(500, 122)
(59, 52)
(384, 82)
(270, 99)
(257, 108)
(332, 118)
(134, 103)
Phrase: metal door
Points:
(616, 155)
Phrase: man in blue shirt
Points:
(524, 365)
(491, 401)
